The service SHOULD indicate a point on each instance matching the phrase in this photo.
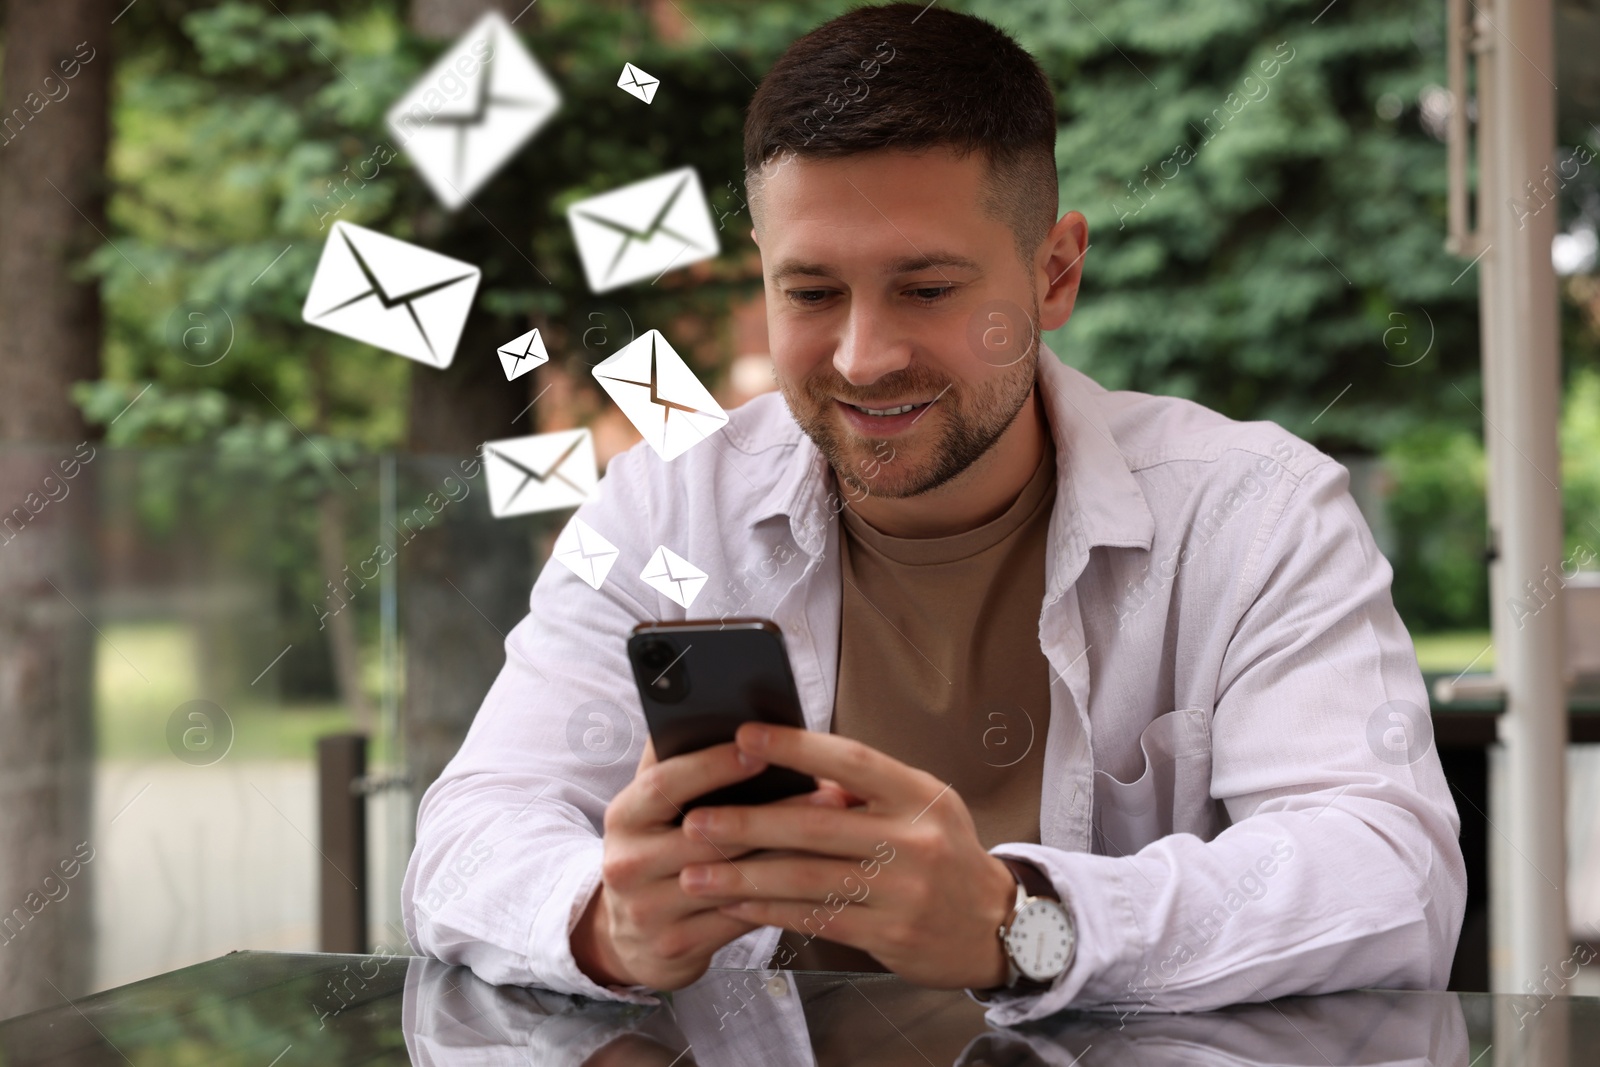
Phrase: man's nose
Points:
(871, 347)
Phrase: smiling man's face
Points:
(876, 265)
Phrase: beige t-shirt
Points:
(940, 667)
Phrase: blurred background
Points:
(257, 544)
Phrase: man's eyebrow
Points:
(905, 265)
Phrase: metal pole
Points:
(1521, 355)
(399, 818)
(342, 816)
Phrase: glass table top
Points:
(267, 1009)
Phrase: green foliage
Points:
(214, 157)
(1580, 461)
(239, 144)
(1266, 214)
(153, 415)
(1261, 276)
(1262, 237)
(1438, 511)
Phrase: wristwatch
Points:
(1040, 938)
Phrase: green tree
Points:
(242, 138)
(1264, 186)
(1266, 210)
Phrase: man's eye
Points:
(808, 296)
(932, 294)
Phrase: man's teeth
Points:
(890, 411)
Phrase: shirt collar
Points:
(1100, 502)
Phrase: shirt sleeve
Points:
(1341, 867)
(508, 837)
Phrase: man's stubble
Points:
(969, 426)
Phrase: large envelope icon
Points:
(642, 230)
(544, 472)
(658, 392)
(673, 576)
(473, 109)
(584, 552)
(401, 298)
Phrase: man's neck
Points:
(977, 495)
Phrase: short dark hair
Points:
(930, 77)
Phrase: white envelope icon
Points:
(401, 298)
(638, 83)
(473, 109)
(642, 230)
(658, 392)
(522, 355)
(673, 576)
(584, 552)
(544, 472)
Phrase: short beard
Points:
(969, 431)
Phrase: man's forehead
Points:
(899, 212)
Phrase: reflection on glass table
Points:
(266, 1009)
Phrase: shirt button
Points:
(777, 986)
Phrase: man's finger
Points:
(658, 793)
(786, 877)
(860, 769)
(849, 799)
(681, 926)
(665, 904)
(825, 831)
(660, 856)
(826, 795)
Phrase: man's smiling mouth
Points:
(900, 410)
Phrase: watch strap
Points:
(1034, 882)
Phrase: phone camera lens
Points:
(663, 672)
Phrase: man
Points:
(1106, 672)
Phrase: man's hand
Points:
(641, 928)
(903, 877)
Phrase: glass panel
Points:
(185, 625)
(284, 1010)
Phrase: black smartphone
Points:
(699, 679)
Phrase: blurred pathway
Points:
(194, 862)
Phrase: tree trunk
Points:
(52, 164)
(465, 581)
(344, 639)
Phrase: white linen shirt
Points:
(1239, 801)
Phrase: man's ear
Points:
(1062, 269)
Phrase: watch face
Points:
(1040, 940)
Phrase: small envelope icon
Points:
(401, 298)
(638, 83)
(584, 552)
(658, 392)
(473, 109)
(641, 230)
(544, 472)
(673, 576)
(522, 355)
